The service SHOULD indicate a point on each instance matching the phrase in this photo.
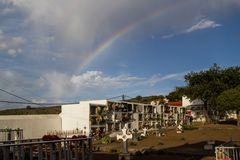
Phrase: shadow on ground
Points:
(184, 152)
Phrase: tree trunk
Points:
(205, 111)
(238, 119)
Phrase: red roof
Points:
(178, 103)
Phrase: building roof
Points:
(178, 103)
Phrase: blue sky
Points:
(64, 51)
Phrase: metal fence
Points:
(8, 134)
(227, 153)
(65, 149)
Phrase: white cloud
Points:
(95, 83)
(168, 36)
(12, 52)
(3, 46)
(203, 24)
(16, 41)
(200, 25)
(10, 80)
(11, 45)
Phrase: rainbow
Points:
(102, 46)
(115, 36)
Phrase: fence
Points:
(227, 153)
(11, 134)
(65, 149)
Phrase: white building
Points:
(91, 117)
(194, 108)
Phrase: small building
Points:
(194, 109)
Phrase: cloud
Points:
(168, 36)
(3, 46)
(200, 25)
(59, 85)
(58, 35)
(95, 83)
(67, 31)
(12, 52)
(11, 45)
(203, 24)
(11, 80)
(15, 41)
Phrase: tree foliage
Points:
(207, 85)
(229, 99)
(147, 99)
(175, 95)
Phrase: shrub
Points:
(106, 140)
(50, 138)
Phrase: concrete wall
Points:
(34, 126)
(76, 116)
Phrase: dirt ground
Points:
(188, 145)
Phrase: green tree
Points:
(207, 85)
(230, 100)
(175, 95)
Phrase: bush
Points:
(106, 140)
(50, 138)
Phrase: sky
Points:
(67, 51)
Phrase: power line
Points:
(121, 97)
(17, 102)
(19, 97)
(24, 89)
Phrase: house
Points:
(194, 109)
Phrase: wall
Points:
(75, 116)
(34, 126)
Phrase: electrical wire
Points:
(20, 97)
(17, 102)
